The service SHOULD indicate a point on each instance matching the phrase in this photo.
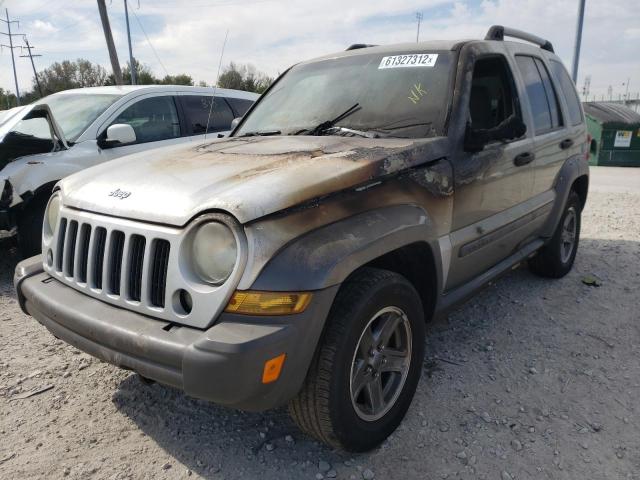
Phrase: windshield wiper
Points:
(260, 133)
(324, 126)
(352, 131)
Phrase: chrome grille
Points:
(83, 252)
(137, 266)
(136, 262)
(159, 272)
(114, 263)
(98, 257)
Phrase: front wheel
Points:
(366, 370)
(30, 227)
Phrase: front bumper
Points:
(7, 217)
(223, 363)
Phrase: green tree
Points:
(244, 77)
(7, 99)
(180, 79)
(145, 76)
(70, 74)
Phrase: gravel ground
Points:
(530, 379)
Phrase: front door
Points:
(154, 120)
(492, 186)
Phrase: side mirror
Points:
(118, 134)
(235, 122)
(475, 139)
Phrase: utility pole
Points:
(113, 55)
(626, 93)
(586, 87)
(419, 18)
(576, 50)
(30, 56)
(11, 47)
(132, 65)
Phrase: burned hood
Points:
(246, 177)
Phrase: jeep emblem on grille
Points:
(121, 194)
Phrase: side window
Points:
(492, 93)
(239, 105)
(550, 91)
(542, 97)
(569, 91)
(152, 119)
(197, 107)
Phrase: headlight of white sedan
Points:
(51, 215)
(214, 252)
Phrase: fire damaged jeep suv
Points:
(298, 260)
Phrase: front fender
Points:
(327, 255)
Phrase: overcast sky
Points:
(273, 34)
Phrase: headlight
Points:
(52, 213)
(214, 251)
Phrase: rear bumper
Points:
(223, 363)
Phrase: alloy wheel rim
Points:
(380, 363)
(568, 235)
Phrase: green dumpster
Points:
(615, 133)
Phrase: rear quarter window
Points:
(239, 105)
(568, 90)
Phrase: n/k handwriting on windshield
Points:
(416, 92)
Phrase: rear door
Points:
(573, 137)
(554, 142)
(206, 114)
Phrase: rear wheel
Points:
(366, 370)
(30, 227)
(556, 258)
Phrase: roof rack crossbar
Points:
(498, 32)
(356, 46)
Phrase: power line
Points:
(30, 56)
(132, 65)
(11, 47)
(149, 41)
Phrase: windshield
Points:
(75, 112)
(403, 94)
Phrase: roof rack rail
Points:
(356, 46)
(498, 32)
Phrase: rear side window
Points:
(542, 97)
(239, 105)
(196, 109)
(568, 90)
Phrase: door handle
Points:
(523, 159)
(566, 143)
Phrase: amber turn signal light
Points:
(272, 368)
(268, 303)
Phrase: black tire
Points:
(30, 227)
(324, 408)
(551, 261)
